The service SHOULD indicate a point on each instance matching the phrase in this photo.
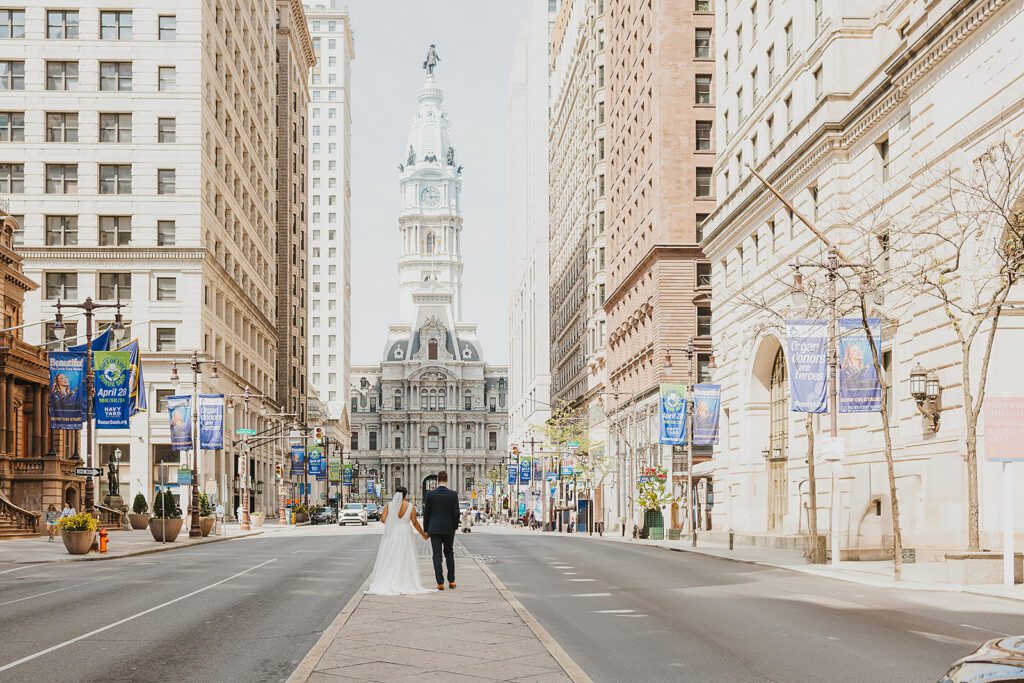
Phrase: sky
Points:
(475, 40)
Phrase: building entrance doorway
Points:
(429, 484)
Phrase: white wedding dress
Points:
(397, 571)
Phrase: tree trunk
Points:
(973, 523)
(812, 492)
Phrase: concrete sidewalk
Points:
(478, 632)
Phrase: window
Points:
(469, 442)
(61, 231)
(61, 127)
(166, 130)
(167, 79)
(770, 123)
(739, 43)
(771, 65)
(12, 126)
(61, 178)
(373, 403)
(778, 397)
(739, 105)
(702, 43)
(492, 404)
(701, 219)
(788, 105)
(114, 285)
(468, 404)
(165, 233)
(354, 441)
(115, 178)
(704, 136)
(398, 400)
(373, 440)
(492, 441)
(12, 75)
(789, 43)
(432, 349)
(753, 147)
(884, 259)
(432, 439)
(62, 75)
(116, 76)
(887, 376)
(12, 23)
(704, 181)
(703, 321)
(703, 367)
(398, 447)
(813, 191)
(115, 231)
(161, 400)
(61, 285)
(165, 181)
(818, 84)
(703, 94)
(883, 159)
(115, 25)
(62, 24)
(12, 178)
(819, 16)
(168, 27)
(70, 331)
(165, 338)
(702, 6)
(115, 127)
(166, 289)
(703, 274)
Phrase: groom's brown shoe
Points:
(440, 586)
(451, 584)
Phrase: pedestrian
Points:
(51, 520)
(219, 517)
(68, 510)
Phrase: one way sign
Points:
(88, 471)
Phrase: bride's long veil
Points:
(394, 510)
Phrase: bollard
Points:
(730, 539)
(103, 540)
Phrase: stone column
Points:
(4, 412)
(37, 422)
(8, 435)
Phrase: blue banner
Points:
(67, 390)
(672, 415)
(211, 421)
(99, 343)
(137, 398)
(807, 365)
(511, 474)
(525, 472)
(179, 409)
(346, 475)
(111, 381)
(859, 388)
(707, 404)
(298, 460)
(317, 463)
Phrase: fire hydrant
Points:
(103, 540)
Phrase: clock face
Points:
(430, 196)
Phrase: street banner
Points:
(1004, 429)
(511, 475)
(707, 404)
(211, 421)
(525, 471)
(490, 489)
(672, 414)
(298, 460)
(67, 390)
(807, 365)
(346, 474)
(179, 410)
(101, 342)
(334, 468)
(137, 397)
(859, 388)
(369, 487)
(317, 465)
(111, 381)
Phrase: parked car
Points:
(1000, 659)
(352, 513)
(324, 515)
(373, 512)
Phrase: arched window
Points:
(432, 349)
(423, 400)
(398, 399)
(442, 399)
(779, 408)
(432, 439)
(430, 243)
(433, 399)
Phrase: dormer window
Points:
(432, 349)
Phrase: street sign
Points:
(323, 496)
(574, 444)
(184, 477)
(88, 471)
(246, 432)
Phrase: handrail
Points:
(110, 516)
(25, 519)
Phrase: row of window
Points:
(63, 127)
(113, 231)
(63, 75)
(165, 340)
(111, 286)
(64, 24)
(435, 441)
(63, 179)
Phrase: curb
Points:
(97, 557)
(571, 668)
(308, 664)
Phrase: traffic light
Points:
(515, 451)
(318, 436)
(278, 472)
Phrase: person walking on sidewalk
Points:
(51, 521)
(440, 520)
(68, 510)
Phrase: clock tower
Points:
(430, 221)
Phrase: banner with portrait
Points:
(707, 405)
(807, 365)
(179, 412)
(112, 378)
(211, 421)
(298, 460)
(67, 389)
(859, 388)
(672, 415)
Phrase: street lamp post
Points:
(89, 307)
(196, 364)
(691, 501)
(246, 396)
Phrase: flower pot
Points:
(78, 542)
(257, 519)
(139, 520)
(206, 525)
(165, 529)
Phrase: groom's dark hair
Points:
(442, 477)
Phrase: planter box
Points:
(139, 521)
(206, 525)
(78, 542)
(256, 519)
(981, 568)
(673, 534)
(165, 529)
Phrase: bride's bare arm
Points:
(416, 524)
(384, 515)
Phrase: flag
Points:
(99, 343)
(67, 389)
(807, 365)
(137, 399)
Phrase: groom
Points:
(440, 520)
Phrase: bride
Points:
(396, 571)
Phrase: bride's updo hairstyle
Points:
(404, 491)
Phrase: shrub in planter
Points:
(206, 519)
(78, 532)
(139, 516)
(166, 522)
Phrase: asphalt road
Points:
(627, 612)
(244, 610)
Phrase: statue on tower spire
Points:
(430, 63)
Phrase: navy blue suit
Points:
(440, 520)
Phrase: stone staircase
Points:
(10, 529)
(16, 522)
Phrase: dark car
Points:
(324, 515)
(372, 511)
(1001, 659)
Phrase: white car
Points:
(352, 513)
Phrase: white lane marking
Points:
(592, 595)
(18, 569)
(614, 611)
(58, 590)
(297, 552)
(583, 579)
(640, 616)
(988, 630)
(940, 638)
(571, 573)
(565, 566)
(117, 623)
